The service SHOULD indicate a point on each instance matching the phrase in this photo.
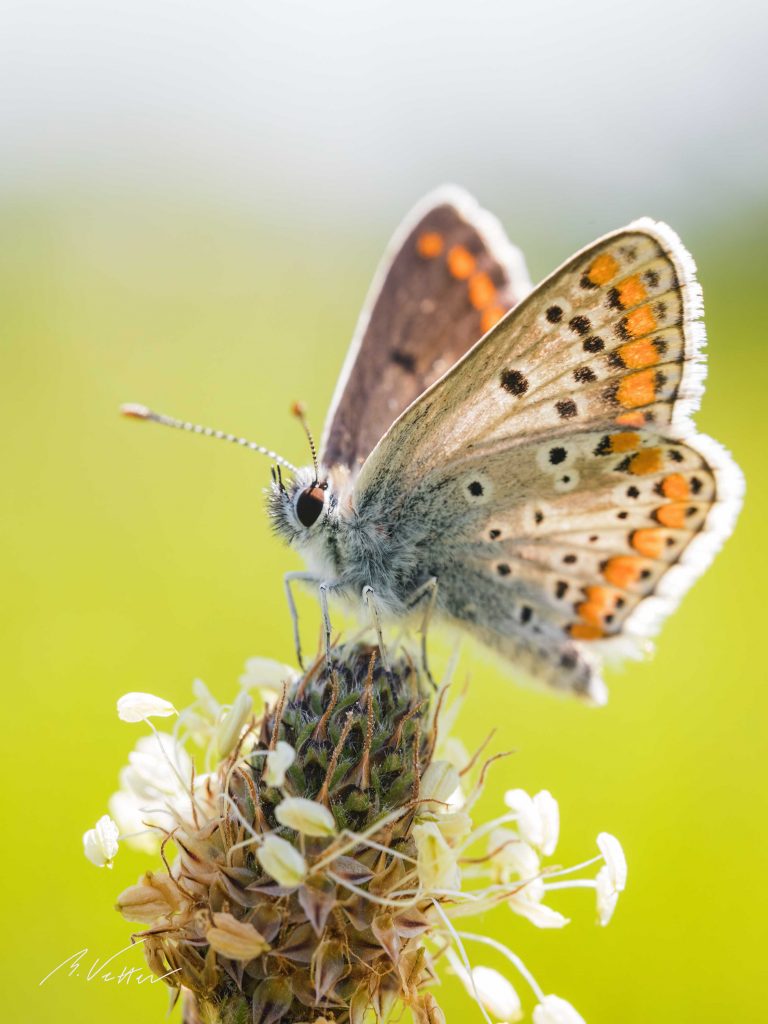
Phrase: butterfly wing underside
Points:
(570, 500)
(449, 275)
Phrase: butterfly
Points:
(519, 460)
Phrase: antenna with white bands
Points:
(141, 412)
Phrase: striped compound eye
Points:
(310, 505)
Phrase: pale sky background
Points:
(352, 108)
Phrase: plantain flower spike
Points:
(316, 858)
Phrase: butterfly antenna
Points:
(141, 412)
(299, 412)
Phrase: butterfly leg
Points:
(427, 591)
(369, 599)
(323, 588)
(288, 579)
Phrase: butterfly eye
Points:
(310, 505)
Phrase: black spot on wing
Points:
(557, 455)
(515, 382)
(603, 446)
(404, 360)
(580, 325)
(614, 301)
(584, 375)
(651, 278)
(593, 344)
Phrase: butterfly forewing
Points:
(450, 276)
(611, 338)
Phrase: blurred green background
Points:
(193, 199)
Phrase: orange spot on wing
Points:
(631, 419)
(675, 487)
(649, 460)
(631, 292)
(585, 631)
(599, 603)
(461, 262)
(491, 317)
(429, 245)
(591, 613)
(603, 269)
(623, 571)
(637, 354)
(640, 321)
(672, 515)
(624, 442)
(649, 542)
(636, 389)
(482, 290)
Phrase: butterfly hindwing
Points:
(588, 526)
(450, 275)
(571, 500)
(588, 537)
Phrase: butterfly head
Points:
(299, 507)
